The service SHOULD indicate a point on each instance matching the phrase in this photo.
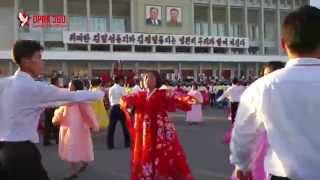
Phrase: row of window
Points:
(236, 30)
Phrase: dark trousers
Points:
(234, 109)
(116, 114)
(278, 178)
(212, 99)
(50, 131)
(21, 161)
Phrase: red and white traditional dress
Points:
(156, 151)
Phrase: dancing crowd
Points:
(272, 133)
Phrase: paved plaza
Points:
(207, 156)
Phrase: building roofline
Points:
(141, 56)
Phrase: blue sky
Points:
(315, 3)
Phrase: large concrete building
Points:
(222, 38)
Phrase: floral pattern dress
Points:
(156, 151)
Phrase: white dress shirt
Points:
(233, 93)
(136, 89)
(286, 104)
(115, 94)
(22, 99)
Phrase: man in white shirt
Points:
(22, 100)
(136, 88)
(116, 114)
(233, 94)
(286, 104)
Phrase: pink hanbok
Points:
(76, 122)
(257, 159)
(195, 115)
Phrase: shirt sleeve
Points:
(50, 96)
(245, 130)
(178, 101)
(226, 94)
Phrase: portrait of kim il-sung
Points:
(174, 16)
(153, 15)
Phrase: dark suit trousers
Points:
(234, 109)
(116, 114)
(49, 129)
(21, 161)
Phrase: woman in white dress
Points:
(195, 115)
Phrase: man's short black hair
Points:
(235, 81)
(25, 49)
(96, 82)
(174, 9)
(54, 80)
(274, 65)
(78, 84)
(301, 29)
(117, 79)
(153, 8)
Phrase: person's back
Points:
(285, 103)
(115, 93)
(291, 103)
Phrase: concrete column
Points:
(90, 69)
(41, 12)
(239, 70)
(257, 69)
(262, 28)
(132, 20)
(65, 12)
(153, 49)
(229, 22)
(192, 15)
(246, 29)
(112, 69)
(158, 67)
(180, 70)
(136, 66)
(193, 49)
(65, 68)
(278, 28)
(220, 70)
(88, 19)
(210, 20)
(294, 4)
(211, 50)
(110, 16)
(133, 48)
(110, 21)
(15, 20)
(173, 49)
(10, 67)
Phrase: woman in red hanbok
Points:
(156, 151)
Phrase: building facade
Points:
(256, 22)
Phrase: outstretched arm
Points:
(182, 102)
(50, 96)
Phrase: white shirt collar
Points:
(303, 61)
(23, 74)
